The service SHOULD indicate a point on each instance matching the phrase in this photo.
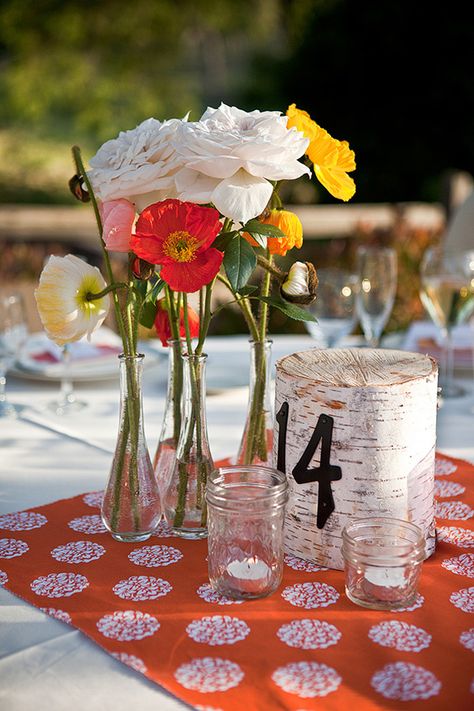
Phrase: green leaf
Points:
(247, 290)
(148, 314)
(297, 313)
(223, 240)
(239, 263)
(155, 290)
(255, 227)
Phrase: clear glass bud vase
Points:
(165, 454)
(131, 507)
(257, 438)
(184, 501)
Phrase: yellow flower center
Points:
(89, 285)
(180, 246)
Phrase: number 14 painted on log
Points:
(324, 474)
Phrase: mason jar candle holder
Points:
(246, 512)
(383, 559)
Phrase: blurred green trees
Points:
(390, 77)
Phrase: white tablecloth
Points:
(44, 664)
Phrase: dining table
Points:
(47, 665)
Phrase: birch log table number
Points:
(355, 436)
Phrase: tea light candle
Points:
(250, 575)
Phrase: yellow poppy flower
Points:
(288, 223)
(332, 159)
(65, 312)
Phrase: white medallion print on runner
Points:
(444, 468)
(307, 566)
(464, 599)
(460, 537)
(461, 565)
(78, 552)
(88, 524)
(155, 556)
(60, 615)
(307, 679)
(59, 584)
(402, 681)
(131, 661)
(310, 595)
(22, 521)
(217, 630)
(207, 593)
(142, 587)
(467, 639)
(400, 635)
(12, 548)
(453, 510)
(444, 488)
(3, 577)
(309, 634)
(127, 625)
(209, 674)
(418, 602)
(163, 530)
(93, 499)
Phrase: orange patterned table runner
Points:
(305, 647)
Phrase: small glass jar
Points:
(383, 558)
(246, 512)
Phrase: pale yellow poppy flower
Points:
(65, 312)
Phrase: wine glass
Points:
(447, 293)
(67, 401)
(13, 334)
(334, 307)
(377, 270)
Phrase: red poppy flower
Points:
(177, 235)
(163, 327)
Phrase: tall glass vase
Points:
(257, 438)
(131, 507)
(184, 501)
(165, 454)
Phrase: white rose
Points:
(231, 155)
(138, 165)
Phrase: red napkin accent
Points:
(306, 646)
(103, 350)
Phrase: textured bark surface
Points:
(383, 403)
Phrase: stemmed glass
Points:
(334, 307)
(13, 334)
(67, 401)
(447, 293)
(377, 269)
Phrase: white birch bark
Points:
(384, 407)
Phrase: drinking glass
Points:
(334, 307)
(13, 334)
(447, 293)
(66, 402)
(377, 270)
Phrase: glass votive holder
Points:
(383, 559)
(246, 512)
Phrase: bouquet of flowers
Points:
(189, 202)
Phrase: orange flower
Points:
(332, 159)
(163, 327)
(288, 223)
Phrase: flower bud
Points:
(76, 186)
(142, 269)
(300, 284)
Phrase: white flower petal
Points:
(242, 196)
(194, 186)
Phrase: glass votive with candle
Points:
(383, 559)
(246, 512)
